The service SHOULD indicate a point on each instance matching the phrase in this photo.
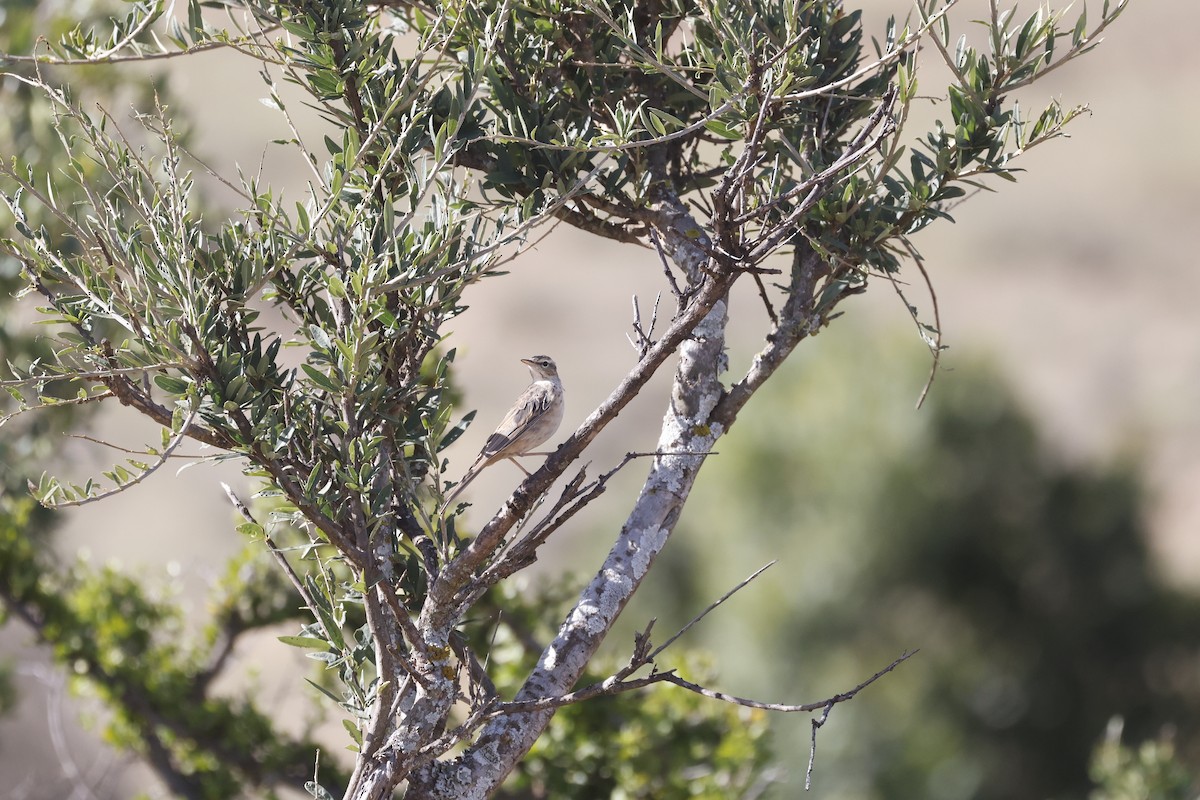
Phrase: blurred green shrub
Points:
(1150, 771)
(1025, 582)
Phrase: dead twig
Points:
(642, 339)
(681, 296)
(617, 684)
(710, 608)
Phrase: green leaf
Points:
(320, 378)
(666, 121)
(326, 692)
(251, 529)
(353, 730)
(195, 20)
(719, 128)
(452, 435)
(306, 642)
(171, 384)
(319, 336)
(1080, 31)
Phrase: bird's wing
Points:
(525, 411)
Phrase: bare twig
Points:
(766, 301)
(614, 685)
(841, 698)
(482, 687)
(711, 607)
(74, 401)
(817, 723)
(574, 498)
(643, 340)
(129, 451)
(404, 619)
(935, 345)
(523, 552)
(91, 375)
(298, 584)
(680, 296)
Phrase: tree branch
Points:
(458, 573)
(699, 333)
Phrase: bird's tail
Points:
(475, 469)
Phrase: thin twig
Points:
(675, 290)
(614, 685)
(575, 496)
(415, 640)
(126, 450)
(711, 607)
(94, 375)
(817, 722)
(118, 487)
(73, 401)
(841, 698)
(288, 570)
(935, 346)
(644, 341)
(762, 293)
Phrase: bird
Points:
(533, 419)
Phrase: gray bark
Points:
(687, 434)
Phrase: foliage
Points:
(668, 745)
(663, 744)
(723, 133)
(113, 635)
(127, 648)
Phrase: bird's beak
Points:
(527, 362)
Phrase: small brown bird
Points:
(533, 419)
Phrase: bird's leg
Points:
(521, 466)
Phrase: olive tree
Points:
(760, 141)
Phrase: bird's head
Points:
(542, 367)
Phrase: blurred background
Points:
(1032, 530)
